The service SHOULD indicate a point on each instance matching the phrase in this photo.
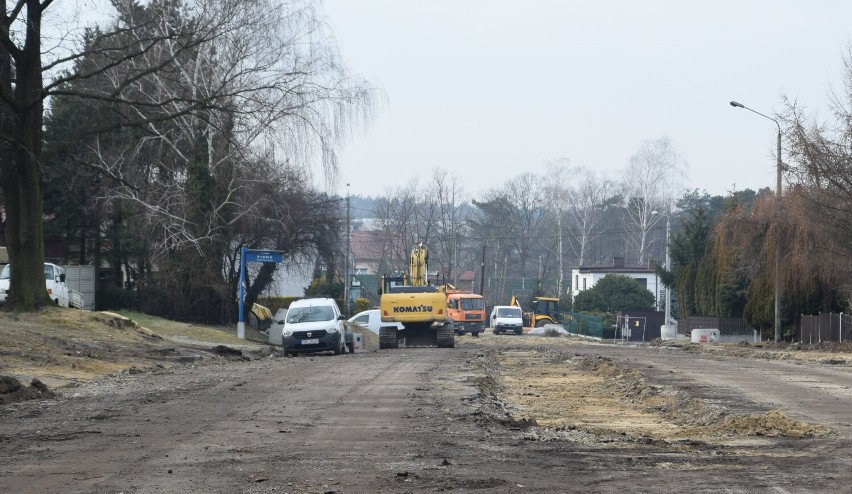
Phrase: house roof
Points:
(467, 276)
(366, 246)
(611, 269)
(618, 266)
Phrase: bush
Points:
(114, 298)
(361, 305)
(614, 293)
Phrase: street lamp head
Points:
(737, 105)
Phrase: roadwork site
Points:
(508, 413)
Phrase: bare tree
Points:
(495, 225)
(261, 70)
(448, 195)
(559, 201)
(268, 83)
(650, 183)
(407, 215)
(528, 216)
(590, 193)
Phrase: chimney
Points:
(618, 262)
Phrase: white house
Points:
(585, 277)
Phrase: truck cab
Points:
(466, 311)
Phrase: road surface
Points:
(410, 420)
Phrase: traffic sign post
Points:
(252, 255)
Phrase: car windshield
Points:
(310, 314)
(509, 312)
(472, 304)
(4, 274)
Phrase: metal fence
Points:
(583, 324)
(825, 327)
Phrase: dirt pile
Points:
(562, 396)
(11, 390)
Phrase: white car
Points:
(314, 325)
(54, 279)
(372, 320)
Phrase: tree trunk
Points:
(20, 176)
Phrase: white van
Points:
(314, 325)
(507, 319)
(54, 279)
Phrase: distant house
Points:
(466, 281)
(366, 251)
(367, 255)
(585, 277)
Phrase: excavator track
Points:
(388, 337)
(446, 336)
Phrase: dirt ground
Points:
(156, 406)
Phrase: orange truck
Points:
(466, 312)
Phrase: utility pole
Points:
(348, 282)
(482, 274)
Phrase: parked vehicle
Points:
(54, 279)
(545, 310)
(372, 320)
(466, 311)
(410, 299)
(314, 325)
(507, 319)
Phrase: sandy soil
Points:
(495, 414)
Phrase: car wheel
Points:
(475, 334)
(519, 331)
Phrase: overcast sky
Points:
(491, 89)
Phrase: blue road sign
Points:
(264, 256)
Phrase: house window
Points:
(584, 283)
(643, 282)
(576, 281)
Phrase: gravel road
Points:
(411, 420)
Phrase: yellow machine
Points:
(260, 318)
(545, 310)
(420, 307)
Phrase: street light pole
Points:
(668, 268)
(778, 222)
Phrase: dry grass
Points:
(63, 346)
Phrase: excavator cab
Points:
(391, 281)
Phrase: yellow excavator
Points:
(410, 299)
(545, 310)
